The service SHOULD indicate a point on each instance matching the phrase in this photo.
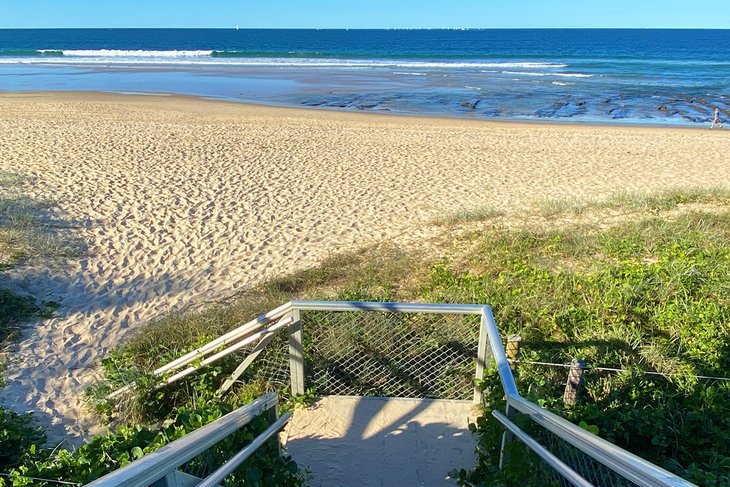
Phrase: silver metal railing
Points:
(160, 467)
(363, 353)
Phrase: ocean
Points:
(631, 76)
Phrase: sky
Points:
(356, 14)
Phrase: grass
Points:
(635, 200)
(649, 293)
(27, 233)
(480, 214)
(28, 230)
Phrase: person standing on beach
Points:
(716, 119)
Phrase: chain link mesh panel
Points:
(271, 369)
(390, 354)
(586, 466)
(376, 354)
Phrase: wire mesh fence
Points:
(586, 466)
(390, 354)
(378, 354)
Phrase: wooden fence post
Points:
(575, 377)
(513, 350)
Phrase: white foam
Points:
(524, 73)
(205, 57)
(133, 53)
(560, 75)
(574, 75)
(410, 73)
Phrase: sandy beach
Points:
(183, 202)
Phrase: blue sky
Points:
(365, 13)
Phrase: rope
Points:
(42, 480)
(611, 369)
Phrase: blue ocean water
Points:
(580, 75)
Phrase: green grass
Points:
(27, 233)
(28, 229)
(634, 200)
(480, 214)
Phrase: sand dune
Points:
(184, 201)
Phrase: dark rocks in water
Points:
(619, 112)
(471, 105)
(562, 109)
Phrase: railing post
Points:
(507, 438)
(513, 354)
(484, 354)
(296, 354)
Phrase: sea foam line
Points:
(111, 56)
(129, 53)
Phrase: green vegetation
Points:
(648, 293)
(108, 452)
(17, 436)
(627, 200)
(470, 215)
(26, 232)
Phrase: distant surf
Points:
(244, 58)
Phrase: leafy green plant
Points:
(18, 435)
(108, 452)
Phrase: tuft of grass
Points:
(484, 213)
(636, 200)
(554, 207)
(668, 199)
(27, 231)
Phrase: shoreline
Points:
(184, 201)
(141, 96)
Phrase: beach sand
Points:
(183, 202)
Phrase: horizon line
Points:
(367, 28)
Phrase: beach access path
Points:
(183, 202)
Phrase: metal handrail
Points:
(227, 468)
(626, 464)
(386, 307)
(630, 466)
(160, 463)
(542, 452)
